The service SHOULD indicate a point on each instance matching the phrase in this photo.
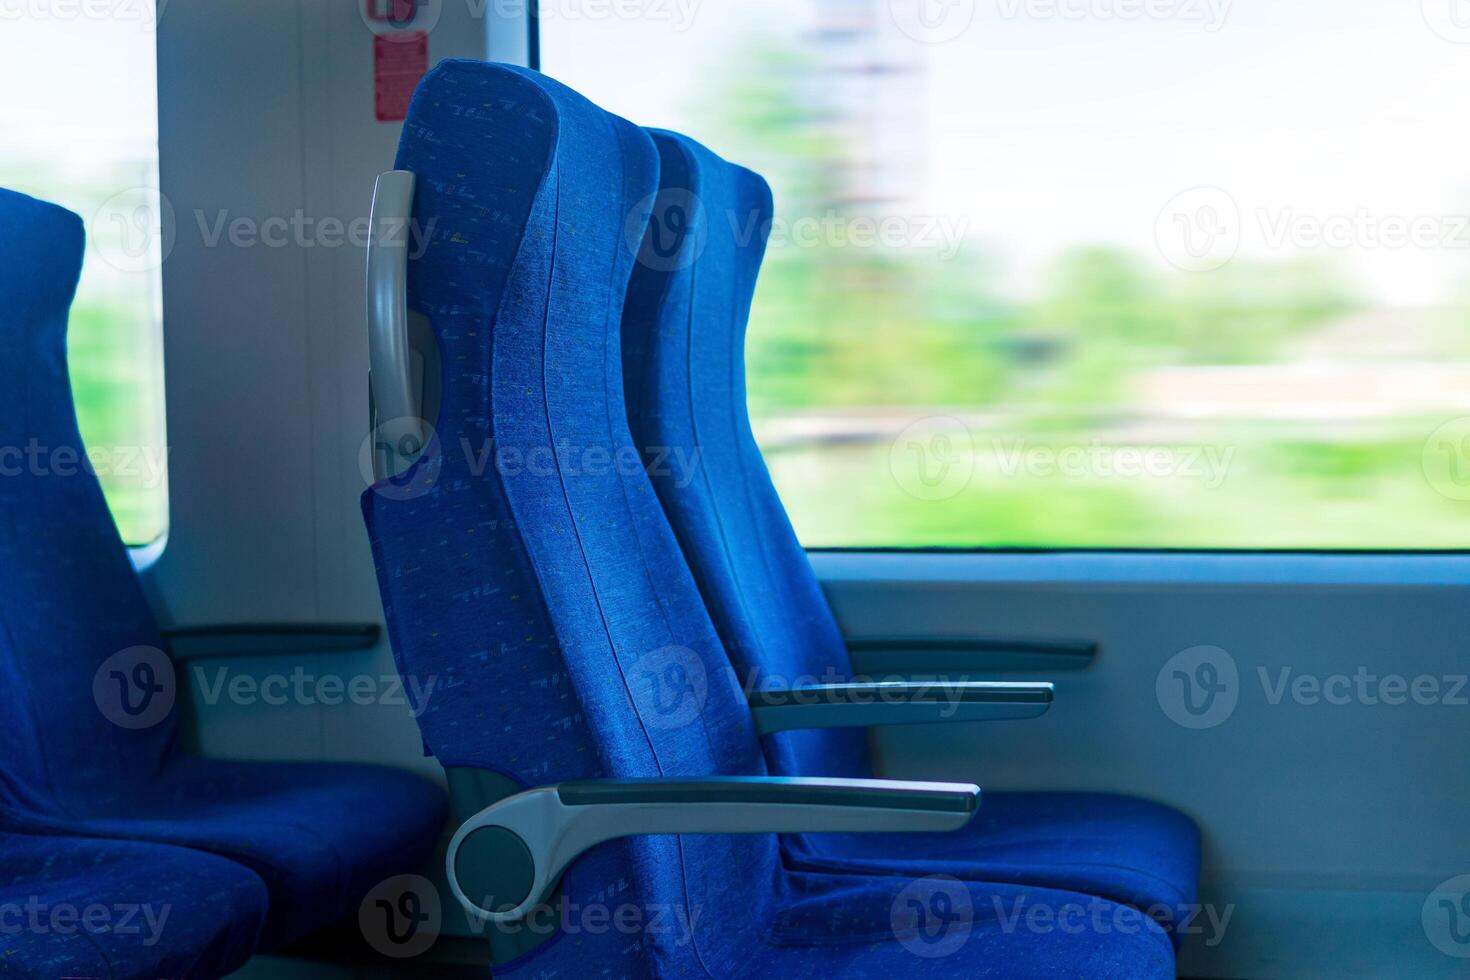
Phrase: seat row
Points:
(643, 700)
(647, 703)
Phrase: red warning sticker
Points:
(399, 61)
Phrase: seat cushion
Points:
(74, 907)
(320, 836)
(1121, 848)
(878, 927)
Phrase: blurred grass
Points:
(118, 390)
(1370, 495)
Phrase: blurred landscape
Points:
(903, 395)
(1025, 368)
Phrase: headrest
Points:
(41, 248)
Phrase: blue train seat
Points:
(81, 751)
(683, 338)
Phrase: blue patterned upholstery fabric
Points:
(71, 759)
(684, 366)
(524, 559)
(72, 907)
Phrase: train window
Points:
(93, 147)
(1178, 274)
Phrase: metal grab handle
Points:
(387, 303)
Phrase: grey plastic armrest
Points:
(855, 704)
(531, 838)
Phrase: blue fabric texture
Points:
(525, 559)
(70, 601)
(319, 835)
(72, 907)
(684, 329)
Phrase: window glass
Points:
(1088, 273)
(79, 127)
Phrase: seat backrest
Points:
(523, 559)
(69, 597)
(684, 364)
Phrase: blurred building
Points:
(871, 81)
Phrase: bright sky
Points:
(1047, 131)
(75, 79)
(1043, 130)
